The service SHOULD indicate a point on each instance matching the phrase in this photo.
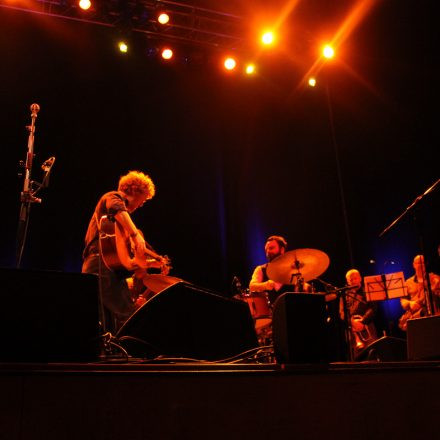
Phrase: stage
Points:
(138, 400)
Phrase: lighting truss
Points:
(189, 24)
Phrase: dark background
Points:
(234, 159)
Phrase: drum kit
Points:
(291, 268)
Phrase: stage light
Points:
(268, 38)
(85, 4)
(230, 63)
(167, 54)
(328, 51)
(312, 81)
(123, 46)
(250, 69)
(163, 18)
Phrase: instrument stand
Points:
(428, 291)
(342, 293)
(30, 187)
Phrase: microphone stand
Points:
(417, 200)
(27, 196)
(343, 292)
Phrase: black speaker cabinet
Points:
(48, 316)
(191, 322)
(423, 338)
(300, 332)
(385, 349)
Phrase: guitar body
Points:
(116, 247)
(403, 320)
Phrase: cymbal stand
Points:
(299, 284)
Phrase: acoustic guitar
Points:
(117, 249)
(422, 287)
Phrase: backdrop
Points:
(234, 159)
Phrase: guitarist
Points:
(415, 304)
(134, 189)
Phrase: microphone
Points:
(236, 286)
(35, 108)
(331, 286)
(47, 164)
(236, 282)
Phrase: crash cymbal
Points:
(157, 282)
(309, 263)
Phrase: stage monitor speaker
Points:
(300, 333)
(48, 316)
(186, 321)
(423, 336)
(384, 349)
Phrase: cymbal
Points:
(309, 263)
(158, 282)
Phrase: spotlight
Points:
(123, 46)
(268, 38)
(328, 51)
(230, 63)
(85, 4)
(167, 53)
(163, 18)
(312, 81)
(250, 69)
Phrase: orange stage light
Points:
(230, 63)
(268, 38)
(163, 18)
(167, 53)
(250, 69)
(123, 47)
(312, 82)
(328, 51)
(85, 4)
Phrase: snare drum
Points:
(258, 303)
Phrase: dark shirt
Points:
(115, 294)
(109, 204)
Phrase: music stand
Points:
(383, 287)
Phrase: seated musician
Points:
(134, 189)
(260, 282)
(360, 312)
(415, 303)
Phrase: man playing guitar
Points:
(415, 304)
(134, 189)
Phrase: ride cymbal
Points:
(308, 263)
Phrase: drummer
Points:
(260, 282)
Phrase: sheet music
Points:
(382, 287)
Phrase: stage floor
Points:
(138, 400)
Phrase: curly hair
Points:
(136, 182)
